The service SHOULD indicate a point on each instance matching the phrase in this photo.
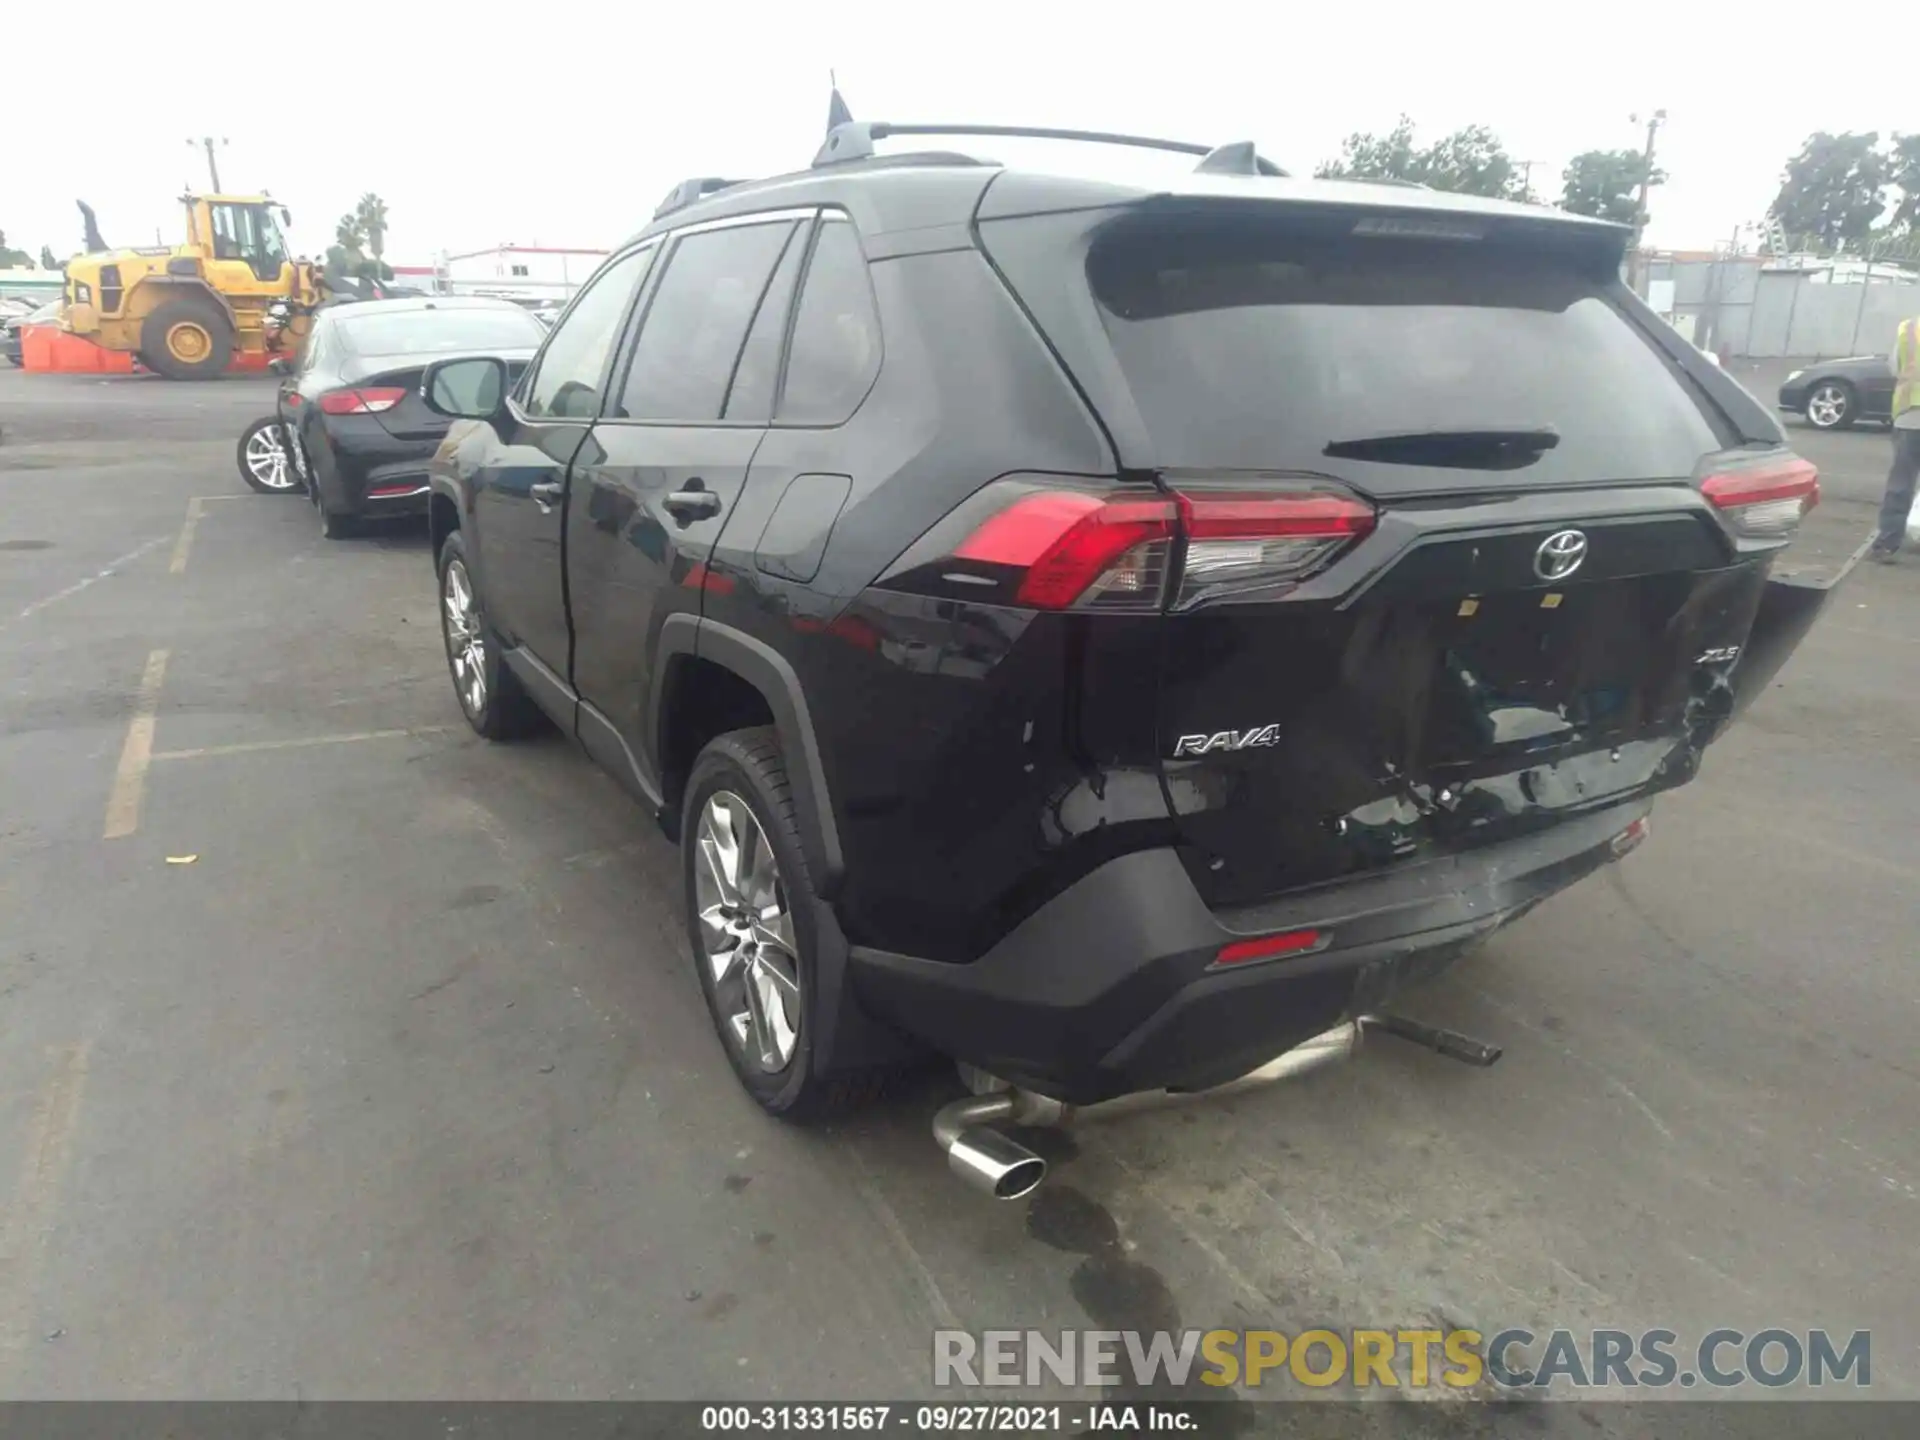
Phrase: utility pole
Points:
(207, 142)
(1526, 177)
(1654, 122)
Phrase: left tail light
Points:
(1764, 499)
(1029, 542)
(370, 401)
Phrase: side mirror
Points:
(468, 389)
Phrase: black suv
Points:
(1108, 633)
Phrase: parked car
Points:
(1836, 394)
(11, 339)
(359, 434)
(1107, 634)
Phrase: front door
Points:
(518, 501)
(653, 488)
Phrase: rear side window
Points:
(757, 375)
(696, 323)
(1251, 347)
(836, 334)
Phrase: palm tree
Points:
(371, 214)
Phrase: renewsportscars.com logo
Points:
(1509, 1359)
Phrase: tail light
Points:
(370, 401)
(1764, 500)
(1036, 544)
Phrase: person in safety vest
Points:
(1906, 442)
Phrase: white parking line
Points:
(248, 747)
(185, 543)
(112, 567)
(130, 778)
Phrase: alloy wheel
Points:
(746, 933)
(466, 639)
(1827, 406)
(267, 459)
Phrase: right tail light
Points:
(1764, 499)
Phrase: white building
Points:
(543, 272)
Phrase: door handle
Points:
(687, 506)
(544, 493)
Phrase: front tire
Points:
(1832, 405)
(266, 459)
(753, 925)
(490, 696)
(187, 339)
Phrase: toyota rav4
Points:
(1108, 633)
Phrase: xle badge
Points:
(1256, 738)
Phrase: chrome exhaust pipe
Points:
(1005, 1169)
(982, 1156)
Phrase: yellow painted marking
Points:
(248, 747)
(130, 780)
(1551, 601)
(1468, 607)
(49, 1141)
(185, 543)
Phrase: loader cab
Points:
(242, 236)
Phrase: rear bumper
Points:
(1108, 988)
(369, 472)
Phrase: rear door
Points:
(1446, 570)
(653, 488)
(518, 487)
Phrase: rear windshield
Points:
(1250, 347)
(428, 332)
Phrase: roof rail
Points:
(688, 191)
(853, 140)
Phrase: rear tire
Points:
(1832, 405)
(753, 924)
(187, 339)
(496, 706)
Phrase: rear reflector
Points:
(1265, 947)
(1630, 837)
(370, 401)
(1767, 500)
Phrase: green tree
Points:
(1833, 192)
(1606, 184)
(371, 213)
(10, 257)
(1903, 173)
(1470, 160)
(47, 262)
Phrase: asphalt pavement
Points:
(345, 1055)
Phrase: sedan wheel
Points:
(1829, 406)
(746, 932)
(264, 460)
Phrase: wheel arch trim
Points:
(767, 671)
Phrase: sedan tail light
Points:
(370, 401)
(1765, 499)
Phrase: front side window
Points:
(567, 378)
(697, 322)
(835, 352)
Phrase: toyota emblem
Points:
(1560, 554)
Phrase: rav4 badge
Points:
(1258, 737)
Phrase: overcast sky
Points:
(565, 125)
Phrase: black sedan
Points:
(362, 435)
(1836, 393)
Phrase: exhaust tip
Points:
(990, 1162)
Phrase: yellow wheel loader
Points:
(186, 312)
